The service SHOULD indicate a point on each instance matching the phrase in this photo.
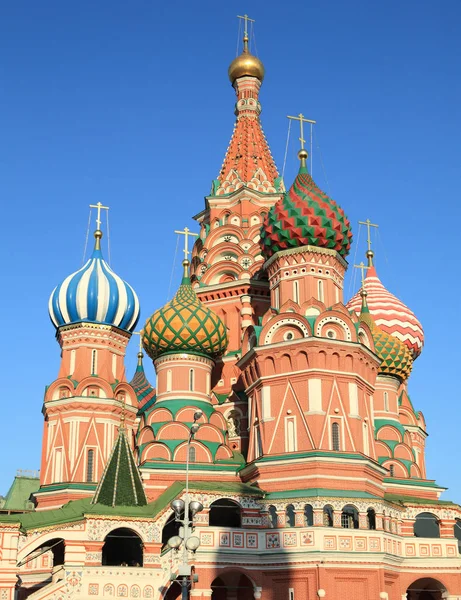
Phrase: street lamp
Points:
(186, 539)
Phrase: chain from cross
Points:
(245, 18)
(302, 119)
(368, 224)
(362, 266)
(99, 207)
(186, 233)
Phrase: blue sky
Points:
(129, 104)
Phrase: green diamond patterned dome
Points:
(185, 325)
(305, 216)
(395, 356)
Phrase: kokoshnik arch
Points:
(310, 456)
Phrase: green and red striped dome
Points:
(305, 216)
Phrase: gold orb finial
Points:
(97, 237)
(370, 254)
(246, 65)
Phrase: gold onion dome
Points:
(185, 325)
(246, 65)
(395, 356)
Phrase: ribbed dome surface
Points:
(305, 216)
(185, 325)
(395, 356)
(390, 313)
(94, 294)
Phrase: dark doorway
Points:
(122, 547)
(426, 589)
(225, 513)
(232, 585)
(426, 525)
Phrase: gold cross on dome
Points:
(99, 207)
(245, 18)
(368, 224)
(186, 233)
(363, 268)
(140, 333)
(302, 119)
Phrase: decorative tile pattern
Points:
(329, 543)
(360, 544)
(122, 591)
(290, 539)
(224, 539)
(436, 550)
(410, 550)
(424, 550)
(148, 592)
(345, 543)
(93, 589)
(272, 540)
(135, 591)
(237, 540)
(307, 538)
(207, 538)
(252, 540)
(108, 590)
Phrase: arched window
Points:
(386, 401)
(169, 380)
(350, 517)
(290, 516)
(308, 515)
(335, 438)
(94, 361)
(320, 286)
(191, 380)
(90, 465)
(114, 365)
(457, 532)
(296, 291)
(290, 433)
(277, 297)
(122, 547)
(225, 513)
(273, 516)
(328, 516)
(192, 454)
(426, 525)
(72, 362)
(371, 518)
(366, 441)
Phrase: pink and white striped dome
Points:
(390, 313)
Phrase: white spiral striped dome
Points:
(390, 313)
(94, 294)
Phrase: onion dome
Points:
(94, 294)
(395, 356)
(246, 65)
(305, 216)
(185, 325)
(389, 313)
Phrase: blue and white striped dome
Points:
(94, 294)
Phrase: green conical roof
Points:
(120, 484)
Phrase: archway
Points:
(426, 589)
(122, 547)
(225, 513)
(232, 586)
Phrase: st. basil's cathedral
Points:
(279, 456)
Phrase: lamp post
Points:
(186, 539)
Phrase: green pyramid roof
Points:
(120, 484)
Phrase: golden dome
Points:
(246, 64)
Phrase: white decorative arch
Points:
(336, 321)
(295, 322)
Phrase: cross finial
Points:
(368, 224)
(140, 352)
(302, 119)
(186, 233)
(99, 207)
(245, 18)
(363, 268)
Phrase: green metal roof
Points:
(19, 493)
(315, 492)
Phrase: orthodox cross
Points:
(302, 119)
(245, 18)
(186, 233)
(363, 268)
(140, 333)
(99, 207)
(368, 224)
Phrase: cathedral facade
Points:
(279, 455)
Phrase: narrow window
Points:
(208, 383)
(335, 440)
(290, 435)
(296, 291)
(94, 361)
(291, 594)
(258, 443)
(72, 362)
(277, 297)
(366, 441)
(386, 401)
(89, 465)
(192, 454)
(191, 380)
(114, 365)
(169, 380)
(391, 470)
(58, 465)
(320, 284)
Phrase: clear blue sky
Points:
(128, 103)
